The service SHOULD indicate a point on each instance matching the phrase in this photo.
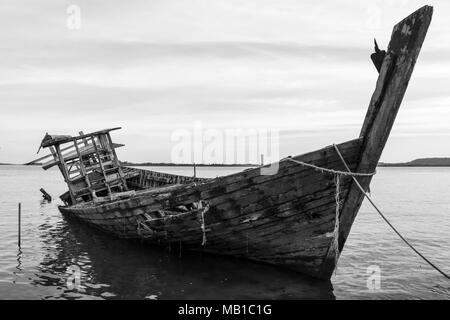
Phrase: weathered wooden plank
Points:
(404, 47)
(310, 214)
(269, 234)
(191, 194)
(182, 231)
(186, 195)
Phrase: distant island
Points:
(422, 162)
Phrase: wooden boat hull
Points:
(287, 218)
(296, 217)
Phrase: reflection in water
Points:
(44, 203)
(19, 260)
(115, 268)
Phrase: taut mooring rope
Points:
(387, 221)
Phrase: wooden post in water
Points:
(195, 171)
(19, 221)
(45, 195)
(262, 159)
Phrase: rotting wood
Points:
(285, 219)
(404, 47)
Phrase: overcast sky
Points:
(153, 67)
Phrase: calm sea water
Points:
(375, 264)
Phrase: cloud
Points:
(156, 66)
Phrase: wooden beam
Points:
(116, 161)
(83, 170)
(81, 133)
(101, 164)
(404, 47)
(63, 167)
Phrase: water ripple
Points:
(415, 200)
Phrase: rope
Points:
(335, 172)
(203, 224)
(387, 221)
(335, 243)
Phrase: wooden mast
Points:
(404, 47)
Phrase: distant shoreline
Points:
(162, 164)
(159, 164)
(422, 162)
(380, 165)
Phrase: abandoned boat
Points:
(298, 217)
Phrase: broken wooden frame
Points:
(88, 163)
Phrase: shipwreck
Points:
(299, 217)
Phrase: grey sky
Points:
(156, 66)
